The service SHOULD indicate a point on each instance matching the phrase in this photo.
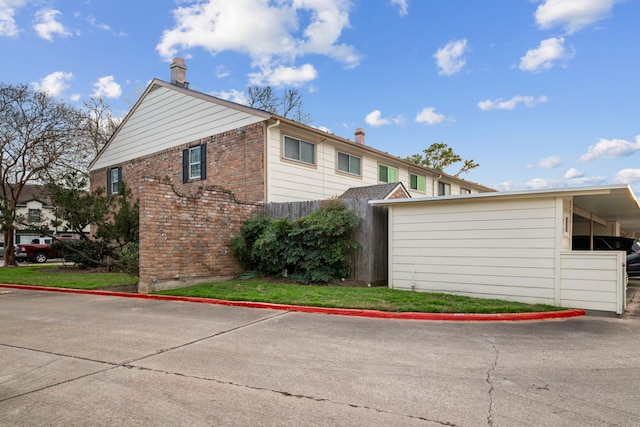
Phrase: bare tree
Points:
(40, 138)
(289, 104)
(99, 124)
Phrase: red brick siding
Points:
(184, 238)
(235, 161)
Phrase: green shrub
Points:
(312, 249)
(84, 253)
(128, 260)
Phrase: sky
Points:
(540, 93)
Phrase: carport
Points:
(514, 245)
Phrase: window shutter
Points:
(119, 178)
(108, 182)
(203, 161)
(185, 166)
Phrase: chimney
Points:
(360, 136)
(179, 73)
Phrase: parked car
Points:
(35, 252)
(605, 243)
(633, 265)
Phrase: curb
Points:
(474, 317)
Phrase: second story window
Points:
(34, 215)
(418, 183)
(114, 178)
(444, 189)
(194, 163)
(387, 174)
(299, 150)
(349, 164)
(465, 191)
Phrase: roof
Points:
(155, 83)
(611, 202)
(373, 192)
(34, 192)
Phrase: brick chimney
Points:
(360, 136)
(179, 73)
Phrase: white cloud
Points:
(272, 34)
(375, 119)
(8, 8)
(429, 116)
(611, 149)
(46, 25)
(573, 173)
(403, 6)
(283, 76)
(627, 176)
(573, 15)
(233, 95)
(54, 84)
(106, 87)
(544, 56)
(222, 72)
(547, 163)
(510, 104)
(450, 59)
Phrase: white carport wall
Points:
(514, 246)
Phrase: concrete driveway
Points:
(79, 360)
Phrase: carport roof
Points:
(610, 202)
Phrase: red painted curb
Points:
(324, 310)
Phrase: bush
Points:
(128, 260)
(84, 253)
(314, 248)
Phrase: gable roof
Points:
(375, 192)
(135, 142)
(32, 192)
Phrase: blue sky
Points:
(540, 93)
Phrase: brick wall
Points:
(235, 161)
(184, 237)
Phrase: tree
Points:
(440, 156)
(40, 138)
(289, 104)
(99, 124)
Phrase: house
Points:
(180, 150)
(35, 210)
(514, 246)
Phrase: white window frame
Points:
(381, 165)
(418, 176)
(195, 166)
(444, 189)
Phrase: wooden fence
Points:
(369, 263)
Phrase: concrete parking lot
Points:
(79, 360)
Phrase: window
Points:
(387, 174)
(349, 164)
(444, 189)
(298, 150)
(418, 182)
(34, 215)
(465, 191)
(194, 163)
(114, 178)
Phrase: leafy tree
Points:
(289, 104)
(40, 138)
(440, 156)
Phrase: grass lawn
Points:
(376, 298)
(63, 277)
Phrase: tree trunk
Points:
(9, 248)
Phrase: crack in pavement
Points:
(489, 381)
(287, 394)
(113, 365)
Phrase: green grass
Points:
(376, 298)
(383, 299)
(62, 277)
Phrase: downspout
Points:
(266, 159)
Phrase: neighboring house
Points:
(35, 210)
(514, 245)
(194, 139)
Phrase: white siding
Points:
(168, 118)
(487, 249)
(291, 181)
(592, 280)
